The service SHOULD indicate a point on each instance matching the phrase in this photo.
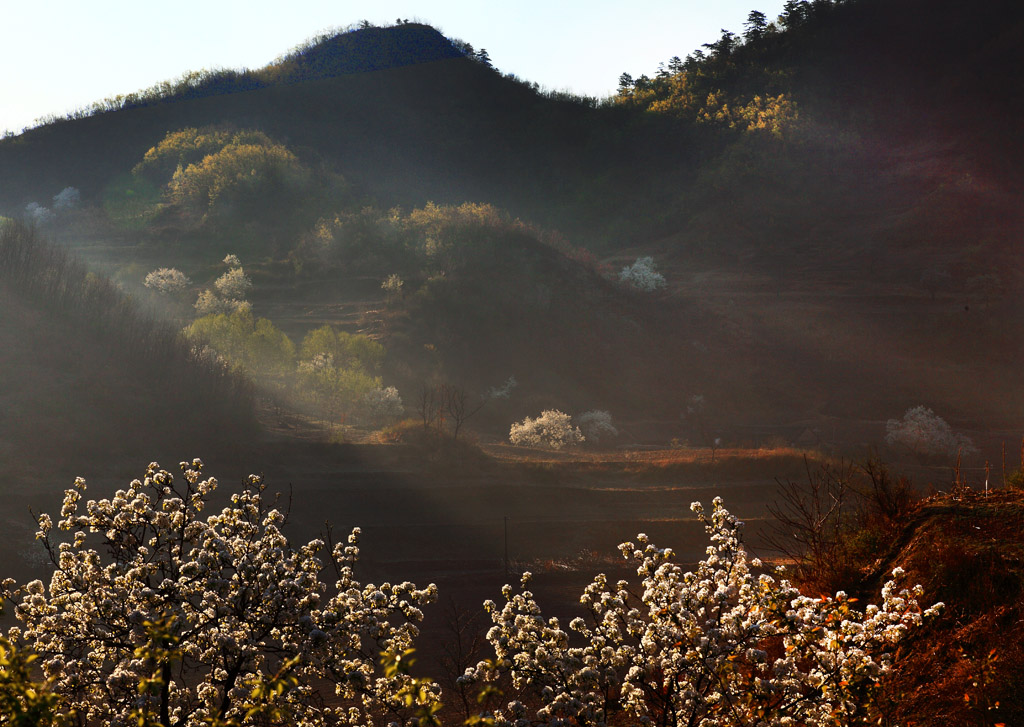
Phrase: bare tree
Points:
(443, 405)
(457, 407)
(460, 651)
(811, 519)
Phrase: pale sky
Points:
(58, 55)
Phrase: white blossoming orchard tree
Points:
(924, 433)
(234, 284)
(183, 620)
(552, 429)
(719, 647)
(167, 280)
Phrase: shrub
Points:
(642, 275)
(719, 646)
(392, 286)
(925, 434)
(552, 429)
(246, 620)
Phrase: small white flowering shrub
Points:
(925, 434)
(157, 612)
(167, 280)
(642, 275)
(596, 425)
(718, 647)
(392, 285)
(232, 261)
(552, 429)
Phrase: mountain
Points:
(400, 112)
(832, 198)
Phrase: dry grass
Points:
(669, 463)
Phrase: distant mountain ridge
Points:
(363, 50)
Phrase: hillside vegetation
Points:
(90, 378)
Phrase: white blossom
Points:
(926, 434)
(690, 648)
(234, 284)
(167, 280)
(209, 303)
(39, 215)
(552, 429)
(392, 285)
(642, 275)
(67, 199)
(227, 599)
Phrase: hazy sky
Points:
(58, 55)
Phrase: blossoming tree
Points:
(167, 280)
(552, 429)
(720, 646)
(183, 620)
(642, 275)
(924, 433)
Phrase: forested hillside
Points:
(830, 198)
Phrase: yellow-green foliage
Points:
(25, 702)
(337, 368)
(211, 170)
(348, 350)
(254, 344)
(697, 95)
(236, 171)
(179, 149)
(773, 114)
(445, 234)
(432, 240)
(334, 388)
(433, 220)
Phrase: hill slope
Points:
(834, 256)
